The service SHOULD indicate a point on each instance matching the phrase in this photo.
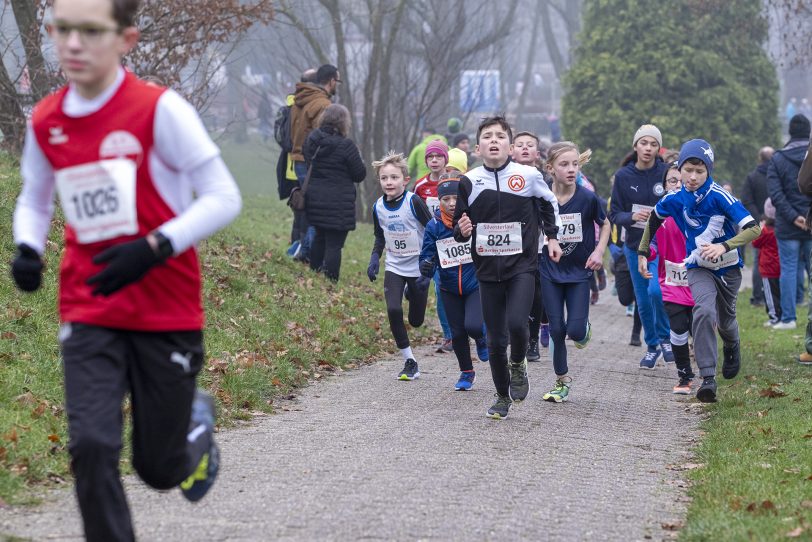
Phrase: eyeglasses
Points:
(88, 33)
(673, 180)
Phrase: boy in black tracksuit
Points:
(497, 207)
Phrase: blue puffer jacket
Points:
(460, 279)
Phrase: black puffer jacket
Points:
(782, 184)
(330, 197)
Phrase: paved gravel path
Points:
(362, 456)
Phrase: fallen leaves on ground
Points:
(772, 391)
(795, 533)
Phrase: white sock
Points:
(407, 353)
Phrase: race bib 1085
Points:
(453, 253)
(98, 199)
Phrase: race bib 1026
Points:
(98, 199)
(498, 239)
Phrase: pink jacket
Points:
(671, 249)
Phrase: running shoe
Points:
(533, 351)
(445, 346)
(410, 371)
(560, 393)
(668, 353)
(732, 360)
(805, 358)
(785, 325)
(771, 322)
(585, 341)
(707, 391)
(635, 339)
(482, 349)
(630, 310)
(544, 335)
(466, 381)
(500, 408)
(519, 384)
(294, 249)
(201, 425)
(649, 361)
(684, 386)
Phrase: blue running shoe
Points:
(668, 353)
(201, 426)
(482, 349)
(649, 361)
(466, 381)
(544, 335)
(294, 249)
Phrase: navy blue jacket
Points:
(460, 280)
(782, 185)
(632, 185)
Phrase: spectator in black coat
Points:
(753, 195)
(330, 197)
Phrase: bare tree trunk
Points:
(25, 12)
(531, 60)
(12, 119)
(549, 38)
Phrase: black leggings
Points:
(680, 318)
(538, 315)
(325, 254)
(465, 319)
(575, 296)
(505, 309)
(393, 285)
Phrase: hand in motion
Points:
(466, 227)
(127, 263)
(554, 250)
(27, 269)
(374, 266)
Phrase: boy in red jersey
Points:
(140, 183)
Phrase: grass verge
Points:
(273, 325)
(753, 479)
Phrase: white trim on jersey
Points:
(185, 166)
(727, 195)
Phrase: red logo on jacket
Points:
(516, 183)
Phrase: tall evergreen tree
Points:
(695, 68)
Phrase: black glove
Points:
(374, 266)
(422, 285)
(427, 268)
(128, 263)
(27, 268)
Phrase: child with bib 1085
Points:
(400, 218)
(459, 287)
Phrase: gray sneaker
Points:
(500, 408)
(519, 385)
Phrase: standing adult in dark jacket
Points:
(330, 197)
(753, 195)
(791, 206)
(638, 187)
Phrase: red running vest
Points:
(168, 297)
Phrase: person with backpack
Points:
(286, 178)
(310, 100)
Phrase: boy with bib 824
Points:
(400, 217)
(708, 216)
(140, 183)
(497, 211)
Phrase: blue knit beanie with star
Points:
(697, 148)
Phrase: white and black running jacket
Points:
(509, 193)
